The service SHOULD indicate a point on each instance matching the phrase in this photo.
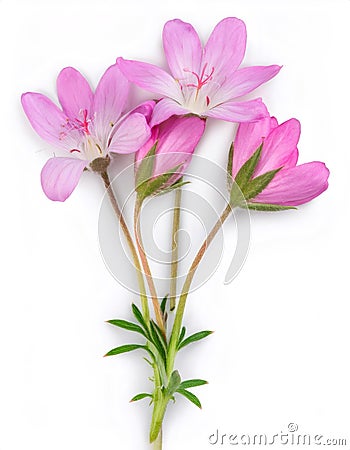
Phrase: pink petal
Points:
(248, 139)
(150, 77)
(166, 108)
(46, 119)
(60, 176)
(109, 101)
(146, 109)
(182, 47)
(249, 111)
(244, 81)
(225, 48)
(280, 147)
(74, 93)
(177, 140)
(297, 185)
(131, 134)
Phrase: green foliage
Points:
(268, 207)
(140, 397)
(191, 397)
(193, 338)
(127, 326)
(192, 383)
(124, 349)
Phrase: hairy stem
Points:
(187, 284)
(129, 240)
(146, 267)
(174, 249)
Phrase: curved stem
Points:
(174, 249)
(124, 227)
(187, 284)
(146, 267)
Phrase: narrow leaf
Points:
(163, 304)
(124, 349)
(182, 335)
(191, 397)
(246, 171)
(158, 341)
(127, 326)
(268, 207)
(192, 383)
(195, 337)
(258, 184)
(140, 397)
(152, 186)
(139, 317)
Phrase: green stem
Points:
(124, 227)
(158, 443)
(146, 267)
(187, 284)
(174, 249)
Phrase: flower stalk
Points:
(175, 249)
(130, 242)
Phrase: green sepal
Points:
(229, 167)
(258, 184)
(268, 207)
(140, 397)
(247, 170)
(193, 338)
(154, 185)
(174, 383)
(127, 326)
(145, 169)
(172, 187)
(125, 348)
(191, 397)
(192, 383)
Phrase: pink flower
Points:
(175, 141)
(292, 185)
(89, 126)
(205, 81)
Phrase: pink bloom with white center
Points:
(292, 185)
(176, 140)
(89, 126)
(204, 81)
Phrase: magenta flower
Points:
(205, 81)
(89, 126)
(175, 141)
(292, 185)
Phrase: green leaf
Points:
(229, 168)
(145, 169)
(127, 326)
(174, 383)
(191, 397)
(140, 397)
(182, 335)
(192, 383)
(139, 317)
(171, 188)
(258, 184)
(268, 207)
(158, 340)
(246, 171)
(195, 337)
(163, 304)
(125, 348)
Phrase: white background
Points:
(280, 353)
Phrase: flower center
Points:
(202, 79)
